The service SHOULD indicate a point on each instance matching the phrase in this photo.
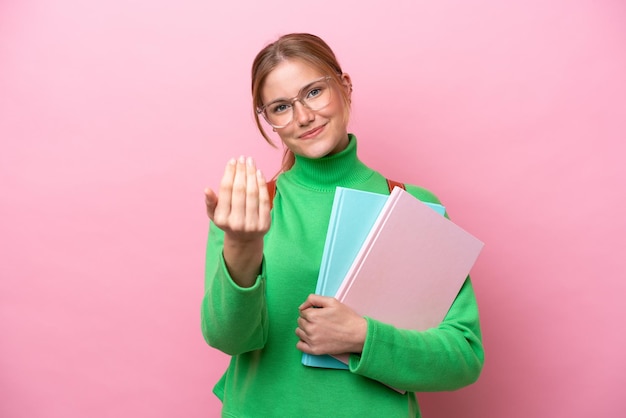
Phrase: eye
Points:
(278, 108)
(314, 92)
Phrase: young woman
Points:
(263, 260)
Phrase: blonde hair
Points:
(307, 48)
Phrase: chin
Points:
(316, 150)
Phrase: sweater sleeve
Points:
(233, 318)
(444, 358)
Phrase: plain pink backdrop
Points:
(115, 115)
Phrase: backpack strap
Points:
(391, 184)
(271, 188)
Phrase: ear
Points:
(346, 81)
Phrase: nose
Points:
(302, 114)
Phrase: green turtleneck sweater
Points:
(256, 325)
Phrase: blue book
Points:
(352, 215)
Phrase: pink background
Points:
(115, 115)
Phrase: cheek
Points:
(339, 113)
(284, 134)
(338, 106)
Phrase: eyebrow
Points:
(285, 99)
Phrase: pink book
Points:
(410, 267)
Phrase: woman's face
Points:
(312, 134)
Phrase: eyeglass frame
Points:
(293, 100)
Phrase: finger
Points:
(222, 210)
(301, 334)
(316, 301)
(238, 196)
(210, 201)
(304, 347)
(252, 195)
(302, 323)
(264, 201)
(307, 303)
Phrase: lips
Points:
(311, 133)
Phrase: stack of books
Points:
(392, 258)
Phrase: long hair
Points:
(307, 48)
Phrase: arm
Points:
(233, 318)
(233, 313)
(444, 358)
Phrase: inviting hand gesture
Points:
(242, 211)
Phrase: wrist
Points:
(360, 333)
(243, 260)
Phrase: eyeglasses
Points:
(314, 96)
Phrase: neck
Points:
(341, 169)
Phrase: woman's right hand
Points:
(242, 211)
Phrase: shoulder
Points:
(422, 194)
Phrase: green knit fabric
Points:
(256, 325)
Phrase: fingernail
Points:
(242, 159)
(250, 162)
(232, 161)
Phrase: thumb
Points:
(210, 200)
(316, 301)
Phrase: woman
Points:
(263, 261)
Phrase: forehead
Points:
(287, 79)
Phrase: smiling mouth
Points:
(312, 133)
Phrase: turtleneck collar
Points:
(324, 174)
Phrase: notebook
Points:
(424, 259)
(352, 215)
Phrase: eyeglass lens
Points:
(314, 96)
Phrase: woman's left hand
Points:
(327, 326)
